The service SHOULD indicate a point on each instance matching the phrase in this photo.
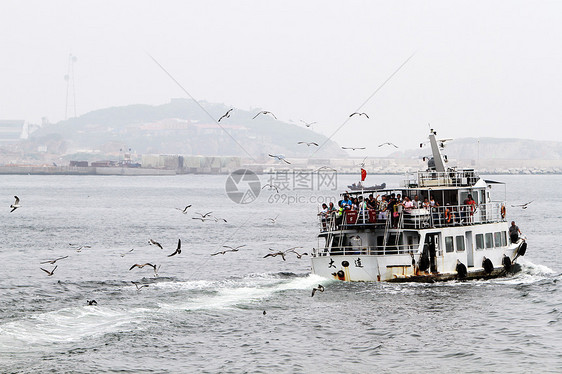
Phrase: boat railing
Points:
(365, 250)
(454, 178)
(422, 218)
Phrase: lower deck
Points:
(390, 255)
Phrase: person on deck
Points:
(514, 232)
(470, 207)
(383, 208)
(416, 202)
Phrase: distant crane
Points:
(69, 78)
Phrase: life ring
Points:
(503, 211)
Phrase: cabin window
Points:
(479, 241)
(489, 240)
(413, 241)
(504, 239)
(449, 244)
(395, 240)
(497, 239)
(460, 243)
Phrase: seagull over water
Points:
(184, 210)
(308, 124)
(53, 261)
(359, 114)
(15, 205)
(319, 288)
(152, 242)
(523, 206)
(308, 144)
(264, 112)
(299, 255)
(231, 249)
(50, 272)
(79, 249)
(226, 115)
(275, 254)
(353, 148)
(143, 265)
(204, 215)
(178, 249)
(273, 220)
(388, 143)
(129, 251)
(271, 187)
(139, 286)
(279, 157)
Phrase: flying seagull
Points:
(353, 148)
(273, 220)
(143, 265)
(308, 124)
(92, 302)
(299, 255)
(264, 112)
(235, 249)
(523, 206)
(53, 261)
(79, 249)
(226, 115)
(359, 114)
(139, 286)
(271, 187)
(362, 164)
(129, 251)
(204, 219)
(15, 205)
(231, 249)
(275, 254)
(184, 210)
(151, 242)
(50, 272)
(178, 249)
(204, 215)
(388, 143)
(319, 288)
(308, 144)
(279, 157)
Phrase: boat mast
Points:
(437, 157)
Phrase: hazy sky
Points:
(480, 68)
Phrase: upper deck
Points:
(436, 197)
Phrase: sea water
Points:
(203, 313)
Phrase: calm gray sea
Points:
(204, 313)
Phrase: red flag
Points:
(363, 174)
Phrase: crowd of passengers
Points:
(393, 206)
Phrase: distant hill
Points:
(492, 148)
(179, 127)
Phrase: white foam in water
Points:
(64, 325)
(230, 295)
(530, 273)
(534, 269)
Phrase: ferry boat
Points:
(462, 234)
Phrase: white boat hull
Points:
(399, 268)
